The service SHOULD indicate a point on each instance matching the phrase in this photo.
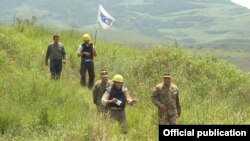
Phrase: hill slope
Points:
(35, 108)
(190, 22)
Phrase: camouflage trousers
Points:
(101, 109)
(165, 119)
(120, 116)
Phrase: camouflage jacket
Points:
(98, 91)
(168, 97)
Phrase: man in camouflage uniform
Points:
(99, 89)
(166, 97)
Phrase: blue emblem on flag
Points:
(105, 19)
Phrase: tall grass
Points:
(35, 108)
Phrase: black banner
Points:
(199, 132)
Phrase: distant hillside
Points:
(233, 44)
(189, 22)
(235, 51)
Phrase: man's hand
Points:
(86, 53)
(95, 101)
(162, 107)
(64, 61)
(178, 114)
(114, 100)
(132, 102)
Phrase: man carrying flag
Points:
(87, 53)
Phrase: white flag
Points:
(104, 18)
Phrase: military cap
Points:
(104, 73)
(167, 75)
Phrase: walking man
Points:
(57, 55)
(87, 52)
(115, 98)
(99, 89)
(165, 96)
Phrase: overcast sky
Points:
(244, 3)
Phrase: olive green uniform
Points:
(98, 91)
(170, 98)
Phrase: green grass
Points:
(35, 108)
(229, 53)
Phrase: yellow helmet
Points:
(118, 78)
(86, 37)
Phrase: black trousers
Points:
(87, 66)
(55, 69)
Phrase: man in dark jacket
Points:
(115, 99)
(57, 55)
(87, 52)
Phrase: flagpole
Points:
(96, 26)
(95, 36)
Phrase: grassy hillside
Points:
(230, 51)
(189, 22)
(35, 108)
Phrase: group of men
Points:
(111, 96)
(57, 55)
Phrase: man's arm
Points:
(178, 105)
(154, 97)
(47, 55)
(79, 51)
(94, 51)
(63, 53)
(105, 98)
(129, 99)
(95, 90)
